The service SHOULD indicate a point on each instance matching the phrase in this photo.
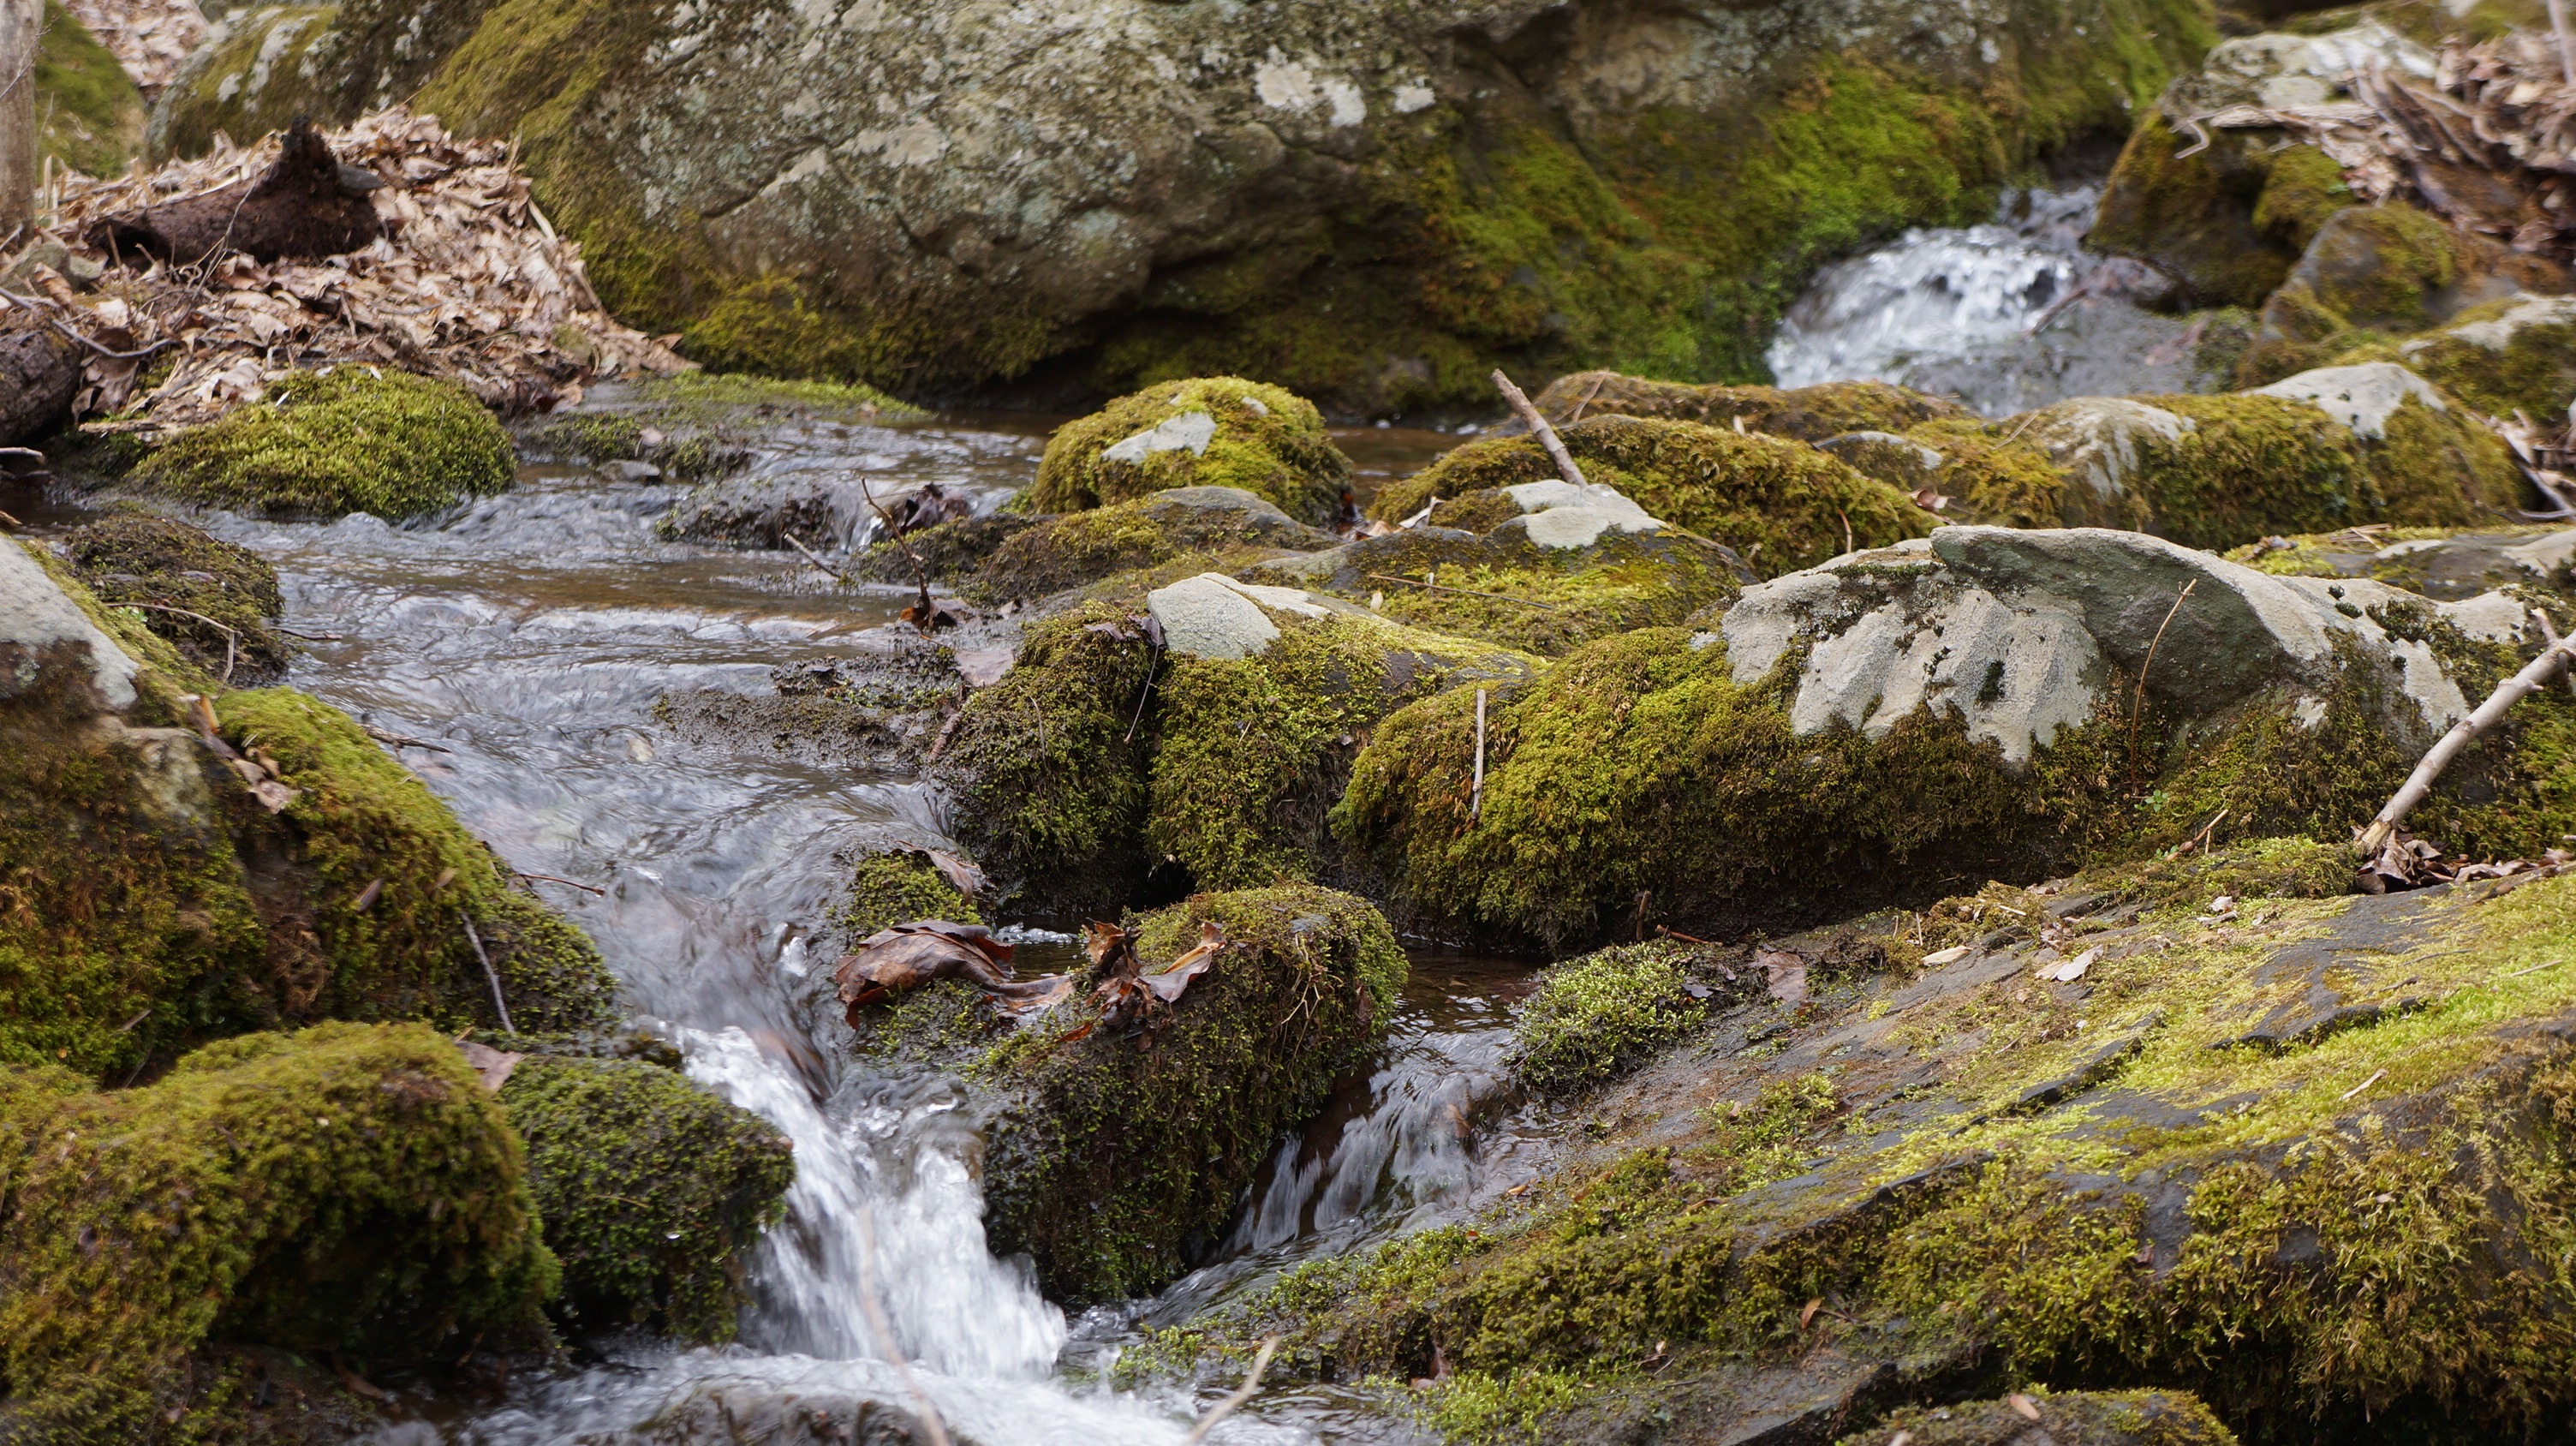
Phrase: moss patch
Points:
(1205, 432)
(89, 116)
(2508, 356)
(1116, 1159)
(2193, 215)
(1084, 547)
(132, 558)
(1781, 505)
(651, 1189)
(1809, 414)
(349, 1188)
(1603, 1014)
(353, 439)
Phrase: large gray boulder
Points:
(1361, 202)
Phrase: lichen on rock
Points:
(1203, 432)
(324, 444)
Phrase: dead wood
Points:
(2485, 716)
(1538, 425)
(307, 205)
(39, 372)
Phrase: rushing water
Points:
(2006, 316)
(529, 636)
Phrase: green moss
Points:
(952, 552)
(1601, 1015)
(1809, 414)
(1119, 1157)
(2302, 190)
(897, 887)
(651, 1189)
(1084, 547)
(358, 819)
(1991, 475)
(2098, 1418)
(349, 1188)
(133, 557)
(2508, 356)
(1267, 441)
(1781, 505)
(715, 392)
(353, 439)
(2193, 215)
(89, 116)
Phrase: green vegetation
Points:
(2110, 1418)
(651, 1189)
(2194, 215)
(1267, 441)
(2504, 357)
(350, 1188)
(1116, 1150)
(352, 439)
(132, 557)
(1084, 547)
(2369, 271)
(1781, 505)
(89, 116)
(1808, 414)
(1604, 1014)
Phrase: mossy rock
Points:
(1204, 432)
(325, 444)
(156, 904)
(1599, 1016)
(1781, 505)
(166, 570)
(652, 1190)
(2071, 1418)
(1078, 548)
(2212, 1161)
(951, 552)
(2192, 216)
(2504, 357)
(1808, 414)
(1502, 587)
(2444, 563)
(2220, 471)
(1846, 735)
(348, 1189)
(89, 113)
(2368, 271)
(1116, 1160)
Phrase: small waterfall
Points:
(2006, 316)
(954, 1307)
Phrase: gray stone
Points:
(2095, 441)
(37, 617)
(2362, 397)
(1189, 432)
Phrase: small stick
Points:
(1577, 415)
(1538, 425)
(1848, 545)
(1476, 805)
(308, 637)
(2140, 703)
(2549, 630)
(883, 1330)
(404, 740)
(551, 879)
(230, 637)
(2566, 40)
(2534, 969)
(1230, 1404)
(810, 557)
(488, 971)
(1462, 591)
(2376, 1077)
(2420, 783)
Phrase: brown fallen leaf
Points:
(2022, 1406)
(1807, 1316)
(1172, 979)
(1786, 973)
(494, 1065)
(904, 957)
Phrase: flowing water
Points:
(2006, 316)
(529, 636)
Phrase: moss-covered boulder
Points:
(2503, 357)
(1970, 704)
(2370, 443)
(2170, 1126)
(2070, 1418)
(1543, 581)
(1115, 1157)
(1809, 414)
(349, 1189)
(324, 444)
(1981, 471)
(89, 113)
(1780, 504)
(212, 599)
(2443, 563)
(1205, 432)
(652, 1190)
(1373, 217)
(166, 886)
(1077, 548)
(1200, 738)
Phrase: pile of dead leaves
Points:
(467, 282)
(2489, 144)
(2407, 862)
(900, 959)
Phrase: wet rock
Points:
(348, 1189)
(1802, 1217)
(760, 1413)
(1073, 780)
(1778, 504)
(1047, 555)
(878, 707)
(1956, 704)
(1298, 215)
(252, 852)
(1205, 432)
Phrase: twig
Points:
(2534, 969)
(1152, 659)
(164, 344)
(308, 637)
(488, 971)
(231, 638)
(2140, 702)
(403, 740)
(2566, 40)
(810, 557)
(2376, 1077)
(1230, 1404)
(1577, 414)
(2017, 431)
(883, 1330)
(2420, 783)
(551, 879)
(1476, 800)
(1462, 591)
(1848, 545)
(2549, 630)
(1538, 425)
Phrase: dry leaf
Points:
(1951, 955)
(2022, 1406)
(1807, 1317)
(494, 1065)
(900, 959)
(1786, 974)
